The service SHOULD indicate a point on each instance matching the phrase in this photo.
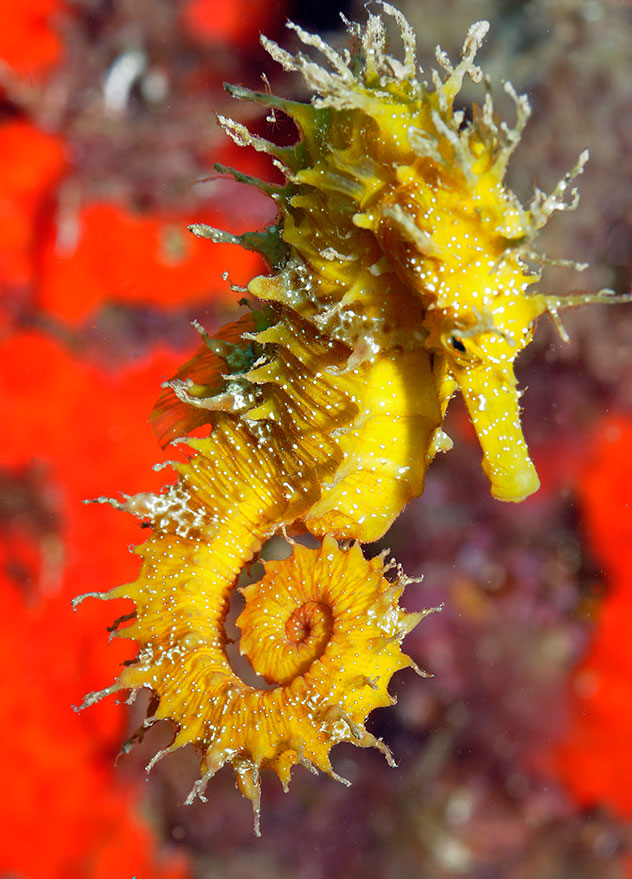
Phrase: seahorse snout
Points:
(492, 400)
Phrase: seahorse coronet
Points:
(400, 272)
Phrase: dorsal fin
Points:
(172, 418)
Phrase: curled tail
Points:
(295, 443)
(323, 626)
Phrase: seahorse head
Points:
(462, 242)
(477, 330)
(457, 237)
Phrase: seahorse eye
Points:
(455, 345)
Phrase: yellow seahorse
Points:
(399, 272)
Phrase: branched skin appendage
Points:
(399, 273)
